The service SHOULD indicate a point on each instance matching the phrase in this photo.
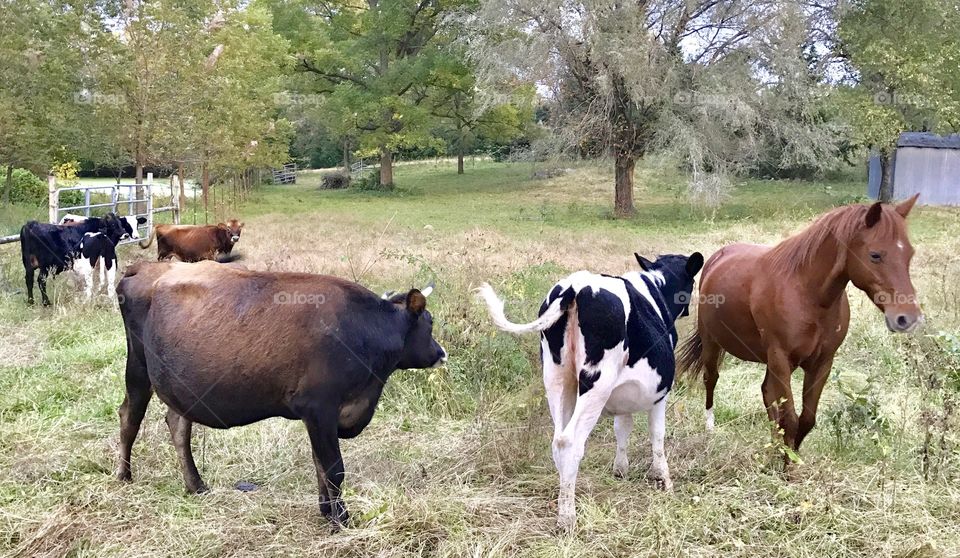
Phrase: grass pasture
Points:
(457, 460)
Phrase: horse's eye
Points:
(876, 257)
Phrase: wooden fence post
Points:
(54, 198)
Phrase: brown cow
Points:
(193, 243)
(306, 347)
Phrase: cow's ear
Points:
(645, 264)
(416, 302)
(873, 214)
(694, 264)
(240, 226)
(141, 220)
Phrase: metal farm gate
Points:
(120, 196)
(117, 201)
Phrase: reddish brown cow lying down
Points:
(192, 243)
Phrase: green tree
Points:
(191, 83)
(691, 78)
(42, 45)
(904, 63)
(367, 59)
(468, 114)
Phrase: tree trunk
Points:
(623, 193)
(346, 155)
(205, 188)
(8, 185)
(138, 179)
(386, 168)
(886, 175)
(460, 160)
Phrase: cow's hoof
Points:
(620, 470)
(339, 521)
(664, 484)
(566, 523)
(124, 476)
(198, 488)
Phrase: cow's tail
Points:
(495, 306)
(146, 242)
(26, 244)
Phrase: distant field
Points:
(457, 460)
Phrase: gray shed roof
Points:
(928, 139)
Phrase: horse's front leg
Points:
(778, 396)
(814, 378)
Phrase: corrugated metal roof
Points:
(928, 139)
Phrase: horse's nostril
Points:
(902, 320)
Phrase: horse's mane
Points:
(842, 224)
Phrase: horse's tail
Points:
(690, 359)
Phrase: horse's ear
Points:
(904, 207)
(873, 214)
(694, 264)
(645, 264)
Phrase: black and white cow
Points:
(607, 345)
(130, 225)
(97, 249)
(52, 249)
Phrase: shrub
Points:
(369, 181)
(335, 180)
(27, 188)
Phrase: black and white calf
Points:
(607, 347)
(129, 223)
(96, 248)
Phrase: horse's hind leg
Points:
(710, 356)
(814, 378)
(180, 429)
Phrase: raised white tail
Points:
(495, 307)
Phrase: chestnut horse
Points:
(786, 306)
